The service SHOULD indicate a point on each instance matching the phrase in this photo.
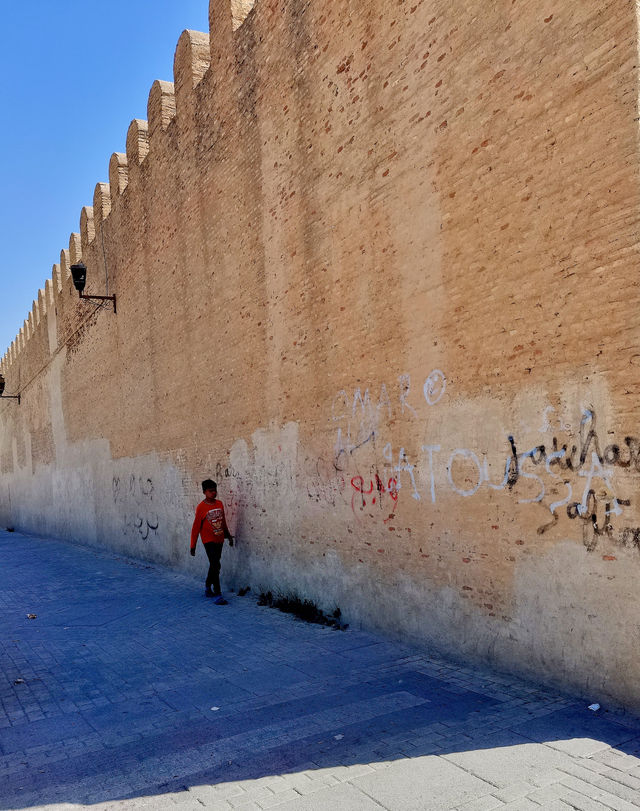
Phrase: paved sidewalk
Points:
(129, 690)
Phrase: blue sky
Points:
(74, 74)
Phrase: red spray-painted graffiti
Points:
(375, 494)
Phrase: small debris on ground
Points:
(593, 707)
(32, 616)
(19, 681)
(215, 709)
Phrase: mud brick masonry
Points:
(376, 267)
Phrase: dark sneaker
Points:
(221, 601)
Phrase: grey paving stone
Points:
(303, 783)
(342, 796)
(619, 760)
(513, 792)
(50, 731)
(279, 799)
(624, 778)
(579, 732)
(577, 769)
(593, 764)
(506, 758)
(599, 795)
(245, 805)
(422, 783)
(548, 794)
(487, 803)
(523, 804)
(217, 793)
(580, 802)
(601, 784)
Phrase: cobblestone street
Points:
(124, 688)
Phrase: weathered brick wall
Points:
(376, 272)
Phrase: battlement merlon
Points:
(118, 175)
(49, 294)
(240, 10)
(65, 264)
(225, 17)
(101, 202)
(87, 228)
(161, 107)
(56, 286)
(56, 278)
(75, 248)
(137, 142)
(190, 63)
(42, 305)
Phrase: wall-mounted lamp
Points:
(7, 396)
(79, 275)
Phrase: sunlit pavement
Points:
(129, 690)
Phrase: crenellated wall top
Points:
(193, 57)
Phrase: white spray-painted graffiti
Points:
(575, 480)
(434, 387)
(359, 420)
(359, 411)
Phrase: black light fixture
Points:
(7, 396)
(79, 276)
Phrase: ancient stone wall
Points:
(376, 272)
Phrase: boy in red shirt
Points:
(211, 525)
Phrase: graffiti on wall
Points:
(569, 474)
(133, 495)
(265, 479)
(376, 470)
(573, 480)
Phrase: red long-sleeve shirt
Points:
(209, 523)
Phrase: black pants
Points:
(213, 550)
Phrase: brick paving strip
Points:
(129, 690)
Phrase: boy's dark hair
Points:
(209, 484)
